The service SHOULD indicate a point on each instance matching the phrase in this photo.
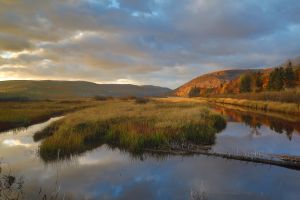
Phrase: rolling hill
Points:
(74, 89)
(228, 79)
(212, 80)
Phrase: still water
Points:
(248, 131)
(105, 173)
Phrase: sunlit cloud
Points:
(143, 42)
(121, 81)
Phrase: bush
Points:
(14, 99)
(102, 98)
(126, 98)
(141, 100)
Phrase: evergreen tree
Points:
(258, 81)
(194, 92)
(297, 74)
(290, 76)
(271, 80)
(276, 79)
(245, 83)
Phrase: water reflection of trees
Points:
(280, 127)
(251, 122)
(255, 121)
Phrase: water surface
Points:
(248, 131)
(105, 173)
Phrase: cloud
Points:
(149, 42)
(11, 43)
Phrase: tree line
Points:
(278, 79)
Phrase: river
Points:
(106, 173)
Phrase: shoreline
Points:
(266, 106)
(271, 106)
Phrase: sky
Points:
(156, 42)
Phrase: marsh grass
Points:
(288, 108)
(23, 114)
(131, 126)
(284, 96)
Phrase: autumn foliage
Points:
(255, 81)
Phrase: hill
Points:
(210, 81)
(74, 89)
(228, 81)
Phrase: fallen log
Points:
(291, 162)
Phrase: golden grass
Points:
(180, 100)
(132, 126)
(22, 114)
(286, 96)
(287, 108)
(272, 106)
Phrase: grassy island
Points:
(132, 126)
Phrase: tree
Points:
(276, 79)
(245, 83)
(289, 76)
(258, 82)
(194, 92)
(271, 80)
(298, 73)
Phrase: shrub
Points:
(128, 98)
(141, 100)
(102, 98)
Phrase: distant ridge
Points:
(48, 89)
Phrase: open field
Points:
(131, 126)
(23, 114)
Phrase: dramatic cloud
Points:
(161, 42)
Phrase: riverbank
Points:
(290, 110)
(291, 95)
(15, 114)
(270, 106)
(286, 108)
